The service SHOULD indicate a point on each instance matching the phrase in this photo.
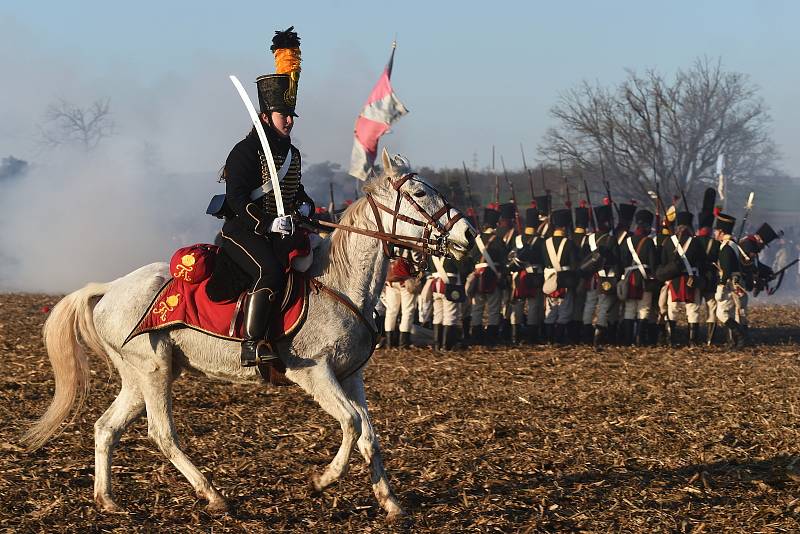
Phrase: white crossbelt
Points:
(636, 259)
(682, 253)
(266, 187)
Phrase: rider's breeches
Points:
(692, 308)
(558, 310)
(446, 312)
(399, 301)
(256, 256)
(535, 310)
(638, 309)
(491, 301)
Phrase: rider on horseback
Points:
(253, 233)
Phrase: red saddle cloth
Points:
(183, 301)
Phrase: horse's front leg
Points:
(320, 382)
(370, 449)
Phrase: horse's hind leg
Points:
(157, 391)
(322, 384)
(125, 409)
(370, 449)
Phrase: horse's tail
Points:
(70, 323)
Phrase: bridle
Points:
(428, 244)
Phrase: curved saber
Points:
(273, 173)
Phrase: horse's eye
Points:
(420, 193)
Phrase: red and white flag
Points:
(381, 110)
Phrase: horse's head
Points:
(416, 209)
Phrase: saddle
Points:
(205, 293)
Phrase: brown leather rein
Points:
(425, 244)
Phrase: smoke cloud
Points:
(70, 216)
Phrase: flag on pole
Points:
(381, 110)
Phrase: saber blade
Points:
(273, 173)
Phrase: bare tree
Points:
(65, 123)
(650, 132)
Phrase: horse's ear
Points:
(386, 160)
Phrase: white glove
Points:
(282, 225)
(304, 209)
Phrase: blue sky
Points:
(473, 74)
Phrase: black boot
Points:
(639, 336)
(694, 330)
(711, 329)
(405, 340)
(491, 335)
(257, 307)
(587, 334)
(626, 332)
(391, 339)
(670, 331)
(437, 337)
(450, 337)
(515, 339)
(534, 332)
(598, 338)
(574, 332)
(465, 328)
(652, 334)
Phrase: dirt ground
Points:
(531, 440)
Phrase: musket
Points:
(589, 202)
(544, 185)
(513, 194)
(470, 200)
(568, 202)
(779, 275)
(607, 185)
(748, 207)
(496, 181)
(527, 170)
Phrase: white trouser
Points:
(399, 301)
(639, 309)
(445, 312)
(725, 306)
(692, 308)
(535, 312)
(711, 309)
(491, 301)
(425, 302)
(558, 310)
(740, 304)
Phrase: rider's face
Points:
(281, 123)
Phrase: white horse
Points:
(324, 358)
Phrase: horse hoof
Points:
(107, 505)
(395, 515)
(316, 485)
(217, 506)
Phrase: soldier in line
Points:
(709, 273)
(600, 294)
(731, 279)
(526, 265)
(448, 296)
(486, 282)
(400, 300)
(579, 237)
(560, 277)
(639, 261)
(683, 258)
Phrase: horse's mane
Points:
(357, 214)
